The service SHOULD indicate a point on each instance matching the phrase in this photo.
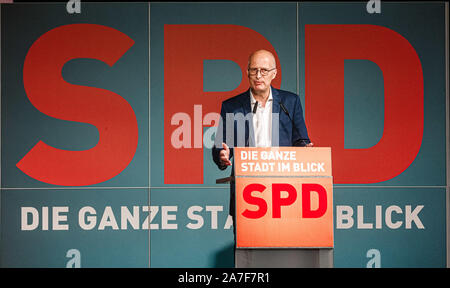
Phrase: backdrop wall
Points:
(108, 115)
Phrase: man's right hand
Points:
(225, 155)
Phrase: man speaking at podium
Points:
(260, 117)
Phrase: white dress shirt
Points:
(262, 121)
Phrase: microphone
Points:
(255, 106)
(300, 142)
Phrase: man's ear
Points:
(274, 74)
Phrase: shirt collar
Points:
(252, 99)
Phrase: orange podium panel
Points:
(284, 197)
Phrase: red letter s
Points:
(109, 112)
(261, 203)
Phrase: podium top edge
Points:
(282, 148)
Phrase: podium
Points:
(284, 207)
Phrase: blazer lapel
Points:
(249, 131)
(245, 101)
(275, 117)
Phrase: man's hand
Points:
(225, 155)
(310, 144)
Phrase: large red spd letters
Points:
(278, 201)
(185, 49)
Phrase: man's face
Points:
(258, 82)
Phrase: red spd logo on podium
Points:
(284, 197)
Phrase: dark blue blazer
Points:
(288, 134)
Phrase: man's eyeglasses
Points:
(263, 71)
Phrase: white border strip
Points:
(1, 192)
(149, 134)
(224, 186)
(298, 54)
(447, 114)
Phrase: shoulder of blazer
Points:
(286, 96)
(237, 101)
